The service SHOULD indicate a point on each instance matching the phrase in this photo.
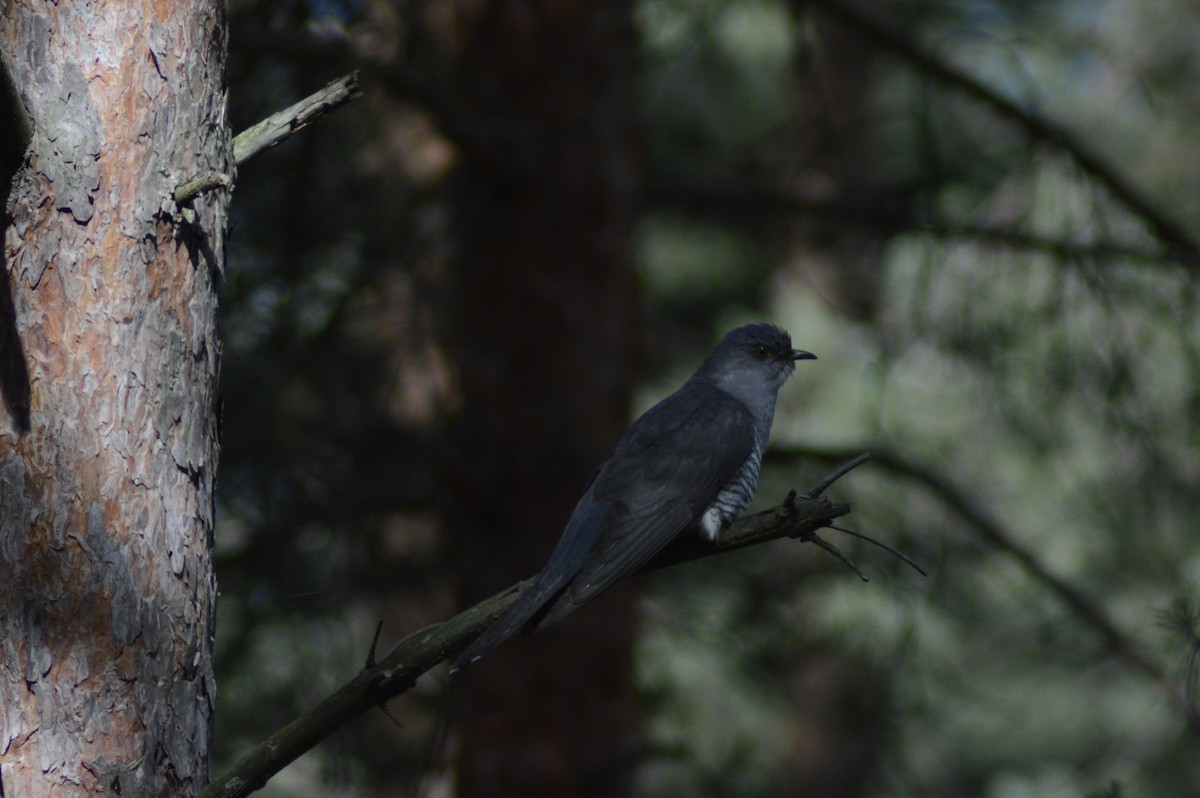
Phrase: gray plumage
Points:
(691, 461)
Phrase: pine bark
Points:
(108, 440)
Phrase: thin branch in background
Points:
(1178, 242)
(752, 203)
(995, 534)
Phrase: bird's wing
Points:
(664, 473)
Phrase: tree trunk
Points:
(106, 478)
(545, 325)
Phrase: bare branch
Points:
(280, 126)
(276, 128)
(422, 650)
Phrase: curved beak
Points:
(800, 354)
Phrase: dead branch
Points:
(273, 130)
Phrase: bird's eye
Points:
(762, 353)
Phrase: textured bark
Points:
(545, 326)
(106, 503)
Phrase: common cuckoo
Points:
(689, 462)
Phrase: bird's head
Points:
(753, 360)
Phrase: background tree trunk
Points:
(545, 323)
(106, 503)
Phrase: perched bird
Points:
(691, 461)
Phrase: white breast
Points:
(733, 498)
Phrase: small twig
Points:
(832, 549)
(201, 184)
(370, 663)
(838, 473)
(881, 545)
(387, 713)
(810, 535)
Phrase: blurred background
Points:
(447, 301)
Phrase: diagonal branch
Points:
(1179, 242)
(752, 203)
(282, 125)
(399, 669)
